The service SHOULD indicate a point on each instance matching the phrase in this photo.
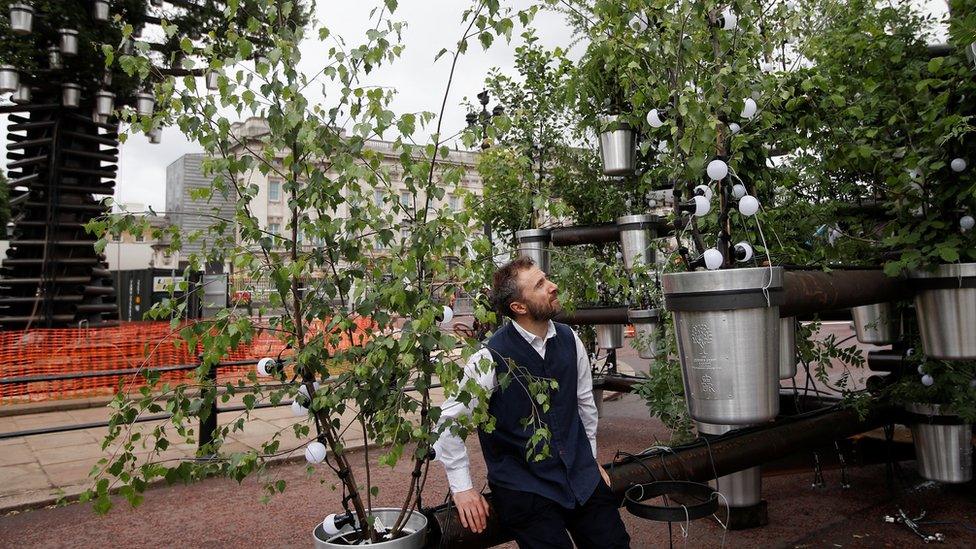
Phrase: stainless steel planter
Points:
(100, 11)
(415, 539)
(727, 326)
(9, 79)
(104, 103)
(787, 347)
(69, 41)
(637, 233)
(145, 103)
(742, 488)
(534, 243)
(70, 94)
(876, 324)
(609, 336)
(946, 306)
(23, 94)
(646, 324)
(21, 18)
(618, 146)
(943, 452)
(213, 80)
(54, 58)
(155, 136)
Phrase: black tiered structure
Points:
(61, 164)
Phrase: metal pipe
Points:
(892, 360)
(808, 292)
(585, 234)
(726, 454)
(600, 315)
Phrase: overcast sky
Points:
(432, 25)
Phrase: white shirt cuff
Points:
(459, 479)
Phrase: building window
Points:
(274, 228)
(406, 199)
(454, 202)
(378, 198)
(274, 190)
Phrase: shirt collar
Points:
(530, 337)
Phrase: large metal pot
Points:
(21, 18)
(534, 243)
(9, 79)
(943, 444)
(742, 488)
(727, 327)
(145, 103)
(70, 95)
(646, 323)
(618, 145)
(104, 103)
(637, 234)
(100, 11)
(945, 302)
(787, 347)
(416, 529)
(876, 324)
(609, 336)
(69, 41)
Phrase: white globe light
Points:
(618, 255)
(303, 390)
(734, 128)
(264, 364)
(297, 409)
(749, 108)
(966, 222)
(748, 205)
(654, 119)
(315, 452)
(790, 4)
(329, 525)
(713, 259)
(958, 164)
(921, 369)
(738, 191)
(746, 249)
(717, 170)
(704, 190)
(914, 173)
(729, 19)
(702, 206)
(638, 24)
(766, 66)
(928, 380)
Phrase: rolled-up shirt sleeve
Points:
(584, 393)
(449, 448)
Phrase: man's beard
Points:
(543, 312)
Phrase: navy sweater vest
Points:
(569, 475)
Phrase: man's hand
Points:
(603, 473)
(473, 508)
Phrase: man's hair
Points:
(504, 285)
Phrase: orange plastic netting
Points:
(40, 352)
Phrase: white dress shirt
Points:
(450, 449)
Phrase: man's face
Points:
(539, 299)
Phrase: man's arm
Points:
(450, 450)
(584, 393)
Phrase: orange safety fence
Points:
(130, 345)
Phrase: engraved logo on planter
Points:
(701, 335)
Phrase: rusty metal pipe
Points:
(585, 234)
(808, 292)
(726, 454)
(599, 315)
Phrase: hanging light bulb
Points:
(728, 20)
(958, 165)
(448, 314)
(267, 366)
(738, 191)
(637, 23)
(704, 190)
(749, 108)
(743, 252)
(702, 206)
(654, 118)
(766, 66)
(315, 452)
(928, 380)
(915, 173)
(734, 128)
(966, 222)
(717, 170)
(748, 205)
(713, 259)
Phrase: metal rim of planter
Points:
(416, 523)
(724, 289)
(945, 301)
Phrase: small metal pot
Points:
(107, 78)
(213, 80)
(69, 41)
(155, 136)
(54, 58)
(23, 94)
(637, 234)
(618, 146)
(101, 11)
(145, 102)
(534, 243)
(70, 95)
(609, 336)
(21, 18)
(99, 118)
(945, 302)
(9, 78)
(104, 103)
(876, 324)
(646, 326)
(943, 444)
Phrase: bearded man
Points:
(566, 497)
